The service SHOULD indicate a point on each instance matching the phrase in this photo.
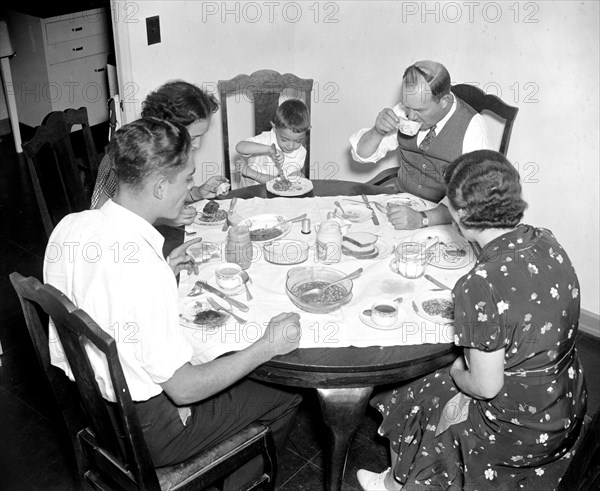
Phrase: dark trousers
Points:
(214, 420)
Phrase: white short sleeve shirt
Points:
(109, 262)
(293, 161)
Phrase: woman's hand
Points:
(179, 259)
(208, 189)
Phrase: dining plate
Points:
(435, 306)
(354, 213)
(451, 252)
(407, 199)
(296, 186)
(366, 319)
(218, 219)
(262, 222)
(198, 314)
(204, 251)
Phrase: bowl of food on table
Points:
(303, 281)
(266, 227)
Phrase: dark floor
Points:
(32, 454)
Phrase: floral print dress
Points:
(522, 295)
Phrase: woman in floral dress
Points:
(506, 413)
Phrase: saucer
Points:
(369, 322)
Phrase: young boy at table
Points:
(154, 167)
(280, 151)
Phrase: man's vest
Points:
(422, 173)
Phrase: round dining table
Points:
(344, 378)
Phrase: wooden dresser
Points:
(60, 62)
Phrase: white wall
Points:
(541, 56)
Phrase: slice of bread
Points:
(360, 254)
(360, 239)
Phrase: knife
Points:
(231, 301)
(437, 283)
(374, 216)
(231, 206)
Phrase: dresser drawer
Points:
(80, 25)
(77, 48)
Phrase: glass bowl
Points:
(299, 277)
(286, 251)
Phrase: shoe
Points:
(372, 481)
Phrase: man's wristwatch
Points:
(424, 220)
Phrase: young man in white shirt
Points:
(109, 262)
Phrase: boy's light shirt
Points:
(293, 162)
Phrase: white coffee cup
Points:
(229, 276)
(384, 314)
(408, 127)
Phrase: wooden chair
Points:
(482, 103)
(113, 443)
(63, 165)
(263, 88)
(65, 393)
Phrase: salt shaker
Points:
(238, 248)
(306, 226)
(329, 242)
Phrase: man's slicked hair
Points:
(146, 146)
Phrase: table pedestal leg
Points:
(342, 411)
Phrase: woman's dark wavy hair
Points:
(485, 185)
(180, 102)
(146, 146)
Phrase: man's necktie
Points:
(429, 137)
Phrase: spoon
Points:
(317, 292)
(337, 203)
(246, 279)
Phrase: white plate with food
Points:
(211, 214)
(198, 314)
(435, 306)
(261, 227)
(451, 251)
(204, 251)
(294, 186)
(407, 199)
(354, 213)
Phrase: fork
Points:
(215, 305)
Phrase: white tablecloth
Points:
(341, 328)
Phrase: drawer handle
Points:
(99, 69)
(75, 29)
(78, 49)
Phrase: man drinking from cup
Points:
(430, 127)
